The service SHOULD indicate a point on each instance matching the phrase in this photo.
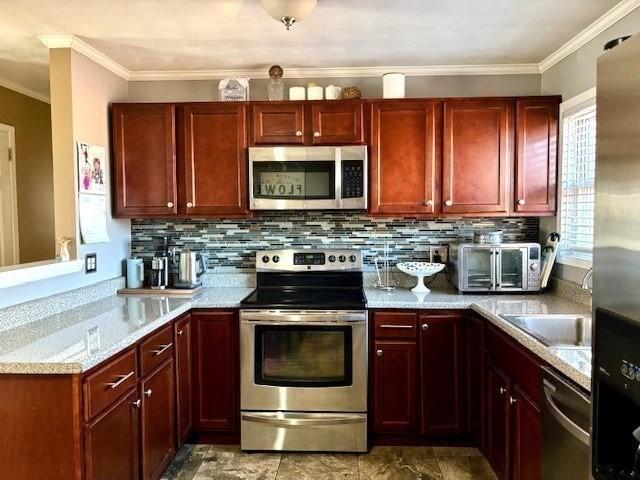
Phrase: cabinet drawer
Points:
(395, 324)
(105, 386)
(155, 350)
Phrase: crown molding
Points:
(255, 73)
(24, 91)
(74, 43)
(617, 13)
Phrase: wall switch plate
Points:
(439, 253)
(91, 263)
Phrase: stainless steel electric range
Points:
(303, 346)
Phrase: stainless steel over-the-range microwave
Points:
(308, 178)
(503, 267)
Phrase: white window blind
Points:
(577, 185)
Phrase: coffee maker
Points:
(616, 398)
(159, 278)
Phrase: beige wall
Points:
(31, 119)
(433, 86)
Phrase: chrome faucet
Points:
(585, 280)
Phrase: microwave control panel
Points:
(352, 178)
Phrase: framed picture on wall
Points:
(91, 168)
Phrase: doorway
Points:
(9, 250)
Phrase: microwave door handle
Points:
(338, 176)
(494, 254)
(498, 269)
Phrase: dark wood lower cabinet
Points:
(157, 424)
(216, 371)
(474, 371)
(527, 437)
(184, 384)
(497, 421)
(395, 381)
(111, 441)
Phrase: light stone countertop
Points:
(574, 363)
(75, 340)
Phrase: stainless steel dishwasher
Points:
(566, 426)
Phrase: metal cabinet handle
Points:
(521, 201)
(425, 326)
(448, 203)
(316, 134)
(163, 348)
(429, 203)
(170, 204)
(396, 326)
(136, 403)
(148, 393)
(123, 378)
(299, 133)
(502, 390)
(379, 353)
(512, 401)
(189, 204)
(179, 332)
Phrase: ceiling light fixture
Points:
(289, 11)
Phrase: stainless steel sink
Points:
(555, 330)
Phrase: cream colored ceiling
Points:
(226, 34)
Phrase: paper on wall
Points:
(93, 218)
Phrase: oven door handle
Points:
(300, 318)
(302, 422)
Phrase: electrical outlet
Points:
(91, 263)
(439, 253)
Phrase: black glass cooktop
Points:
(306, 298)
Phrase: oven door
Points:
(309, 361)
(294, 178)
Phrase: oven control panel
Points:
(308, 260)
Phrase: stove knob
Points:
(342, 258)
(275, 259)
(265, 259)
(353, 258)
(332, 258)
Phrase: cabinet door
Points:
(475, 358)
(158, 421)
(478, 145)
(144, 150)
(498, 422)
(441, 373)
(182, 339)
(216, 372)
(526, 436)
(405, 157)
(536, 155)
(395, 379)
(337, 123)
(278, 123)
(111, 442)
(215, 159)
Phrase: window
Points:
(577, 187)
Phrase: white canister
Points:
(333, 92)
(135, 273)
(393, 85)
(297, 93)
(314, 92)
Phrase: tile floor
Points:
(205, 462)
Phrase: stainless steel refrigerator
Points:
(616, 281)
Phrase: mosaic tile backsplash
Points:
(233, 242)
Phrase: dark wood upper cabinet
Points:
(278, 123)
(441, 373)
(497, 421)
(527, 437)
(184, 383)
(216, 371)
(337, 122)
(478, 152)
(405, 157)
(536, 155)
(395, 379)
(111, 442)
(157, 426)
(214, 159)
(144, 150)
